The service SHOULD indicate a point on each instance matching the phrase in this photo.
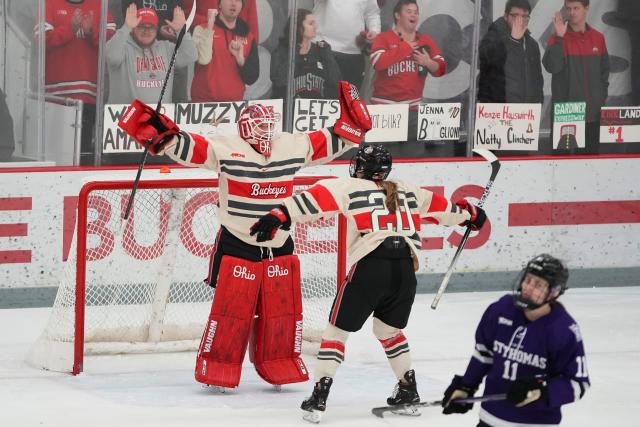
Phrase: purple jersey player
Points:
(529, 347)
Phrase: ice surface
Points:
(159, 390)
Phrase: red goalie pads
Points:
(277, 337)
(225, 338)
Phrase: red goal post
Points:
(139, 283)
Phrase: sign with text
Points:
(507, 126)
(314, 114)
(207, 118)
(390, 123)
(438, 122)
(619, 124)
(568, 125)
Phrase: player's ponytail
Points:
(391, 190)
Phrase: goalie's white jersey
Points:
(250, 183)
(369, 221)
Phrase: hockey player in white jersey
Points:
(256, 170)
(384, 219)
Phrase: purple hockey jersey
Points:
(508, 346)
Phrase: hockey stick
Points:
(181, 34)
(495, 167)
(381, 410)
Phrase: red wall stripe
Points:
(15, 257)
(14, 230)
(15, 203)
(574, 213)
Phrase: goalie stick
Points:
(381, 410)
(495, 167)
(181, 34)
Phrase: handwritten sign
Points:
(619, 124)
(390, 123)
(568, 125)
(208, 118)
(507, 126)
(438, 122)
(314, 114)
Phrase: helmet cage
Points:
(257, 125)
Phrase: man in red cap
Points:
(138, 61)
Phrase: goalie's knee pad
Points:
(226, 335)
(277, 336)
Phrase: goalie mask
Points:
(257, 125)
(546, 267)
(372, 162)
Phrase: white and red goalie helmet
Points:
(256, 125)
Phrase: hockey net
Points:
(137, 286)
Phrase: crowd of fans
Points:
(335, 40)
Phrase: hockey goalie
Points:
(258, 301)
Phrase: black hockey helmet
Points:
(372, 162)
(548, 268)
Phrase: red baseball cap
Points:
(147, 16)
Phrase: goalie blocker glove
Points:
(265, 228)
(457, 390)
(354, 120)
(144, 125)
(478, 216)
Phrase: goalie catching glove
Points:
(144, 125)
(354, 120)
(267, 226)
(478, 216)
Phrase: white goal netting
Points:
(137, 285)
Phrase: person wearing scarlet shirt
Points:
(71, 34)
(249, 13)
(227, 55)
(578, 61)
(402, 57)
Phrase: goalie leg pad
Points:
(277, 342)
(225, 338)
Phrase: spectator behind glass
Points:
(578, 60)
(346, 26)
(164, 9)
(72, 34)
(316, 71)
(228, 61)
(510, 67)
(402, 57)
(629, 12)
(138, 61)
(249, 13)
(7, 140)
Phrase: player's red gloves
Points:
(141, 122)
(354, 120)
(478, 217)
(267, 226)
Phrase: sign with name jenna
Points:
(568, 125)
(438, 122)
(619, 124)
(208, 118)
(507, 126)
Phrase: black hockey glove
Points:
(457, 390)
(478, 217)
(524, 391)
(267, 226)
